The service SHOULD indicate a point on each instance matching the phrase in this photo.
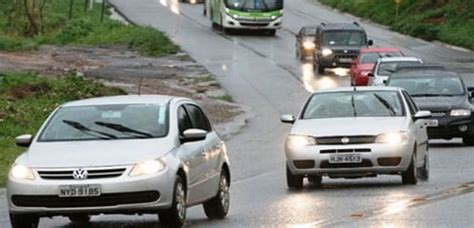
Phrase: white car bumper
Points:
(230, 22)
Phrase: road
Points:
(262, 73)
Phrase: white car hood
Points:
(95, 153)
(348, 126)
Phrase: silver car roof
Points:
(399, 59)
(362, 88)
(125, 99)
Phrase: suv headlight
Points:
(392, 138)
(22, 172)
(308, 45)
(299, 141)
(460, 112)
(148, 167)
(326, 52)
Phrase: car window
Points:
(120, 121)
(184, 122)
(429, 85)
(411, 105)
(354, 104)
(198, 117)
(338, 38)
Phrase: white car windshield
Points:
(354, 104)
(107, 122)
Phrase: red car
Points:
(365, 62)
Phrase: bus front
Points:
(253, 14)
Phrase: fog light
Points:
(463, 128)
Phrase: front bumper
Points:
(371, 164)
(232, 23)
(450, 127)
(333, 61)
(124, 194)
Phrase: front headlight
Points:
(326, 52)
(308, 45)
(460, 112)
(299, 141)
(22, 172)
(235, 16)
(148, 167)
(392, 138)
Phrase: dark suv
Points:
(338, 44)
(445, 95)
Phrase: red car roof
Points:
(379, 49)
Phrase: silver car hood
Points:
(348, 126)
(95, 153)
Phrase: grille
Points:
(304, 164)
(347, 56)
(253, 24)
(333, 151)
(438, 114)
(53, 201)
(91, 173)
(326, 165)
(337, 140)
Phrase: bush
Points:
(75, 30)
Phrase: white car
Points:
(123, 154)
(384, 67)
(357, 132)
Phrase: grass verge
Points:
(84, 28)
(451, 22)
(27, 99)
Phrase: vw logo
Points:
(345, 140)
(79, 174)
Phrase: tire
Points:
(320, 69)
(24, 221)
(176, 215)
(271, 32)
(468, 140)
(424, 172)
(315, 179)
(293, 181)
(410, 176)
(218, 207)
(80, 219)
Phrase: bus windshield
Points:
(254, 5)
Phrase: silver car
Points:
(357, 132)
(123, 154)
(384, 67)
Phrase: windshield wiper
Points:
(353, 106)
(243, 5)
(123, 129)
(385, 104)
(431, 95)
(88, 131)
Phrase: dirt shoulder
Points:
(118, 66)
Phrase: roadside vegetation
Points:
(53, 22)
(449, 21)
(27, 99)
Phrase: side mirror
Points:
(422, 115)
(24, 140)
(370, 42)
(193, 135)
(370, 74)
(288, 119)
(470, 91)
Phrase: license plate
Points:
(432, 123)
(345, 158)
(345, 60)
(79, 190)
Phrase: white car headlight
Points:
(299, 141)
(460, 112)
(22, 172)
(308, 45)
(392, 138)
(326, 52)
(148, 167)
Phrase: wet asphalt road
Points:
(262, 73)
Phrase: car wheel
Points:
(293, 181)
(424, 172)
(176, 215)
(271, 32)
(410, 175)
(320, 69)
(80, 219)
(468, 140)
(218, 207)
(24, 221)
(315, 179)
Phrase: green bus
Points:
(265, 15)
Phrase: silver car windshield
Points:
(426, 86)
(107, 122)
(354, 104)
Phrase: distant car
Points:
(384, 67)
(305, 42)
(338, 44)
(357, 132)
(445, 95)
(124, 154)
(364, 64)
